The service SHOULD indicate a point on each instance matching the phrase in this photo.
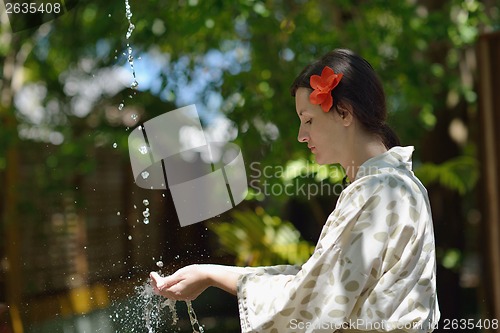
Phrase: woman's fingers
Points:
(155, 277)
(155, 281)
(164, 282)
(163, 285)
(185, 284)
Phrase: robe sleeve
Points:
(333, 285)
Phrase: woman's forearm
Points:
(223, 277)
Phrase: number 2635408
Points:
(468, 324)
(32, 8)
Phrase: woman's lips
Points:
(313, 149)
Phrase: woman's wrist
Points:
(218, 276)
(208, 274)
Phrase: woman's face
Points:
(324, 132)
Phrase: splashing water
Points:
(129, 54)
(128, 15)
(145, 213)
(152, 306)
(155, 311)
(194, 320)
(144, 312)
(130, 57)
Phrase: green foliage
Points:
(458, 174)
(407, 42)
(451, 258)
(258, 239)
(418, 48)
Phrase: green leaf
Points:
(256, 238)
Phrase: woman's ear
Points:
(346, 113)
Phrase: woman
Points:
(373, 268)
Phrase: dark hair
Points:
(360, 88)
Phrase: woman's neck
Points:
(361, 153)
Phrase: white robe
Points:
(373, 269)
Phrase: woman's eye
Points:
(309, 121)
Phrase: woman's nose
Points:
(303, 135)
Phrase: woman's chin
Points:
(319, 160)
(324, 161)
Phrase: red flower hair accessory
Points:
(323, 86)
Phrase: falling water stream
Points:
(130, 57)
(152, 305)
(194, 320)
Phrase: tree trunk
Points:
(11, 248)
(489, 146)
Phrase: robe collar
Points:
(395, 158)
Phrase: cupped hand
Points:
(184, 285)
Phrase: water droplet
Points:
(120, 107)
(118, 213)
(131, 28)
(145, 202)
(145, 213)
(146, 220)
(145, 174)
(159, 264)
(129, 237)
(134, 116)
(143, 150)
(109, 15)
(135, 207)
(115, 145)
